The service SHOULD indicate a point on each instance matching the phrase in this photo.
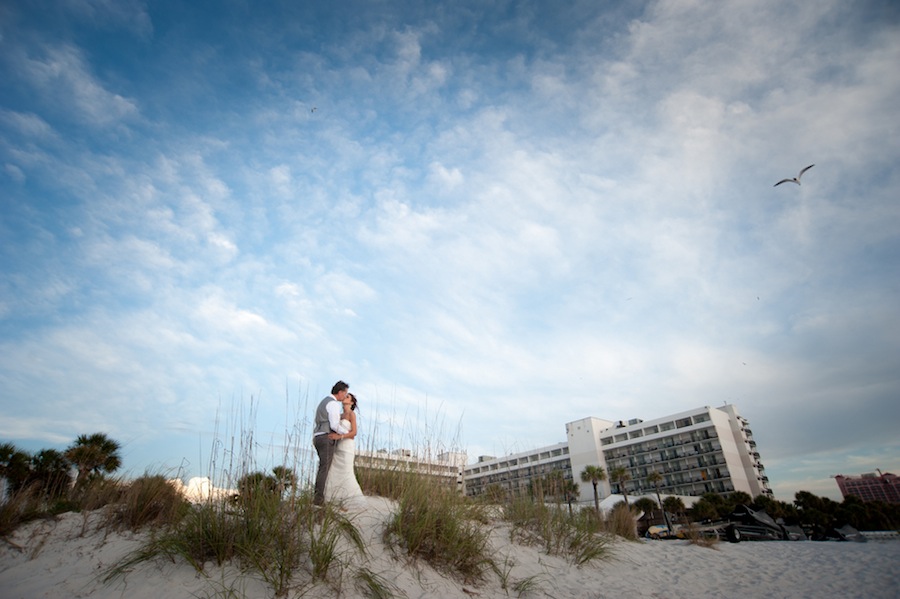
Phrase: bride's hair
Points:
(352, 401)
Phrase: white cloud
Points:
(130, 14)
(14, 173)
(29, 125)
(62, 76)
(444, 178)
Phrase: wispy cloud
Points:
(63, 81)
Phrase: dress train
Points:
(341, 485)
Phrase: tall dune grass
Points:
(150, 500)
(574, 537)
(442, 528)
(21, 506)
(621, 522)
(280, 539)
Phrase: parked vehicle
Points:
(844, 533)
(661, 531)
(747, 524)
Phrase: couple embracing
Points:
(333, 437)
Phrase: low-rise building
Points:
(512, 475)
(446, 467)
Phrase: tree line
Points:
(53, 473)
(807, 509)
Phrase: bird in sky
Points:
(795, 179)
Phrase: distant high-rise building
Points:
(871, 486)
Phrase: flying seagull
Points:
(795, 179)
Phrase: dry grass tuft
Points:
(699, 536)
(621, 522)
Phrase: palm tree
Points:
(256, 485)
(654, 478)
(736, 498)
(620, 475)
(15, 467)
(94, 454)
(286, 478)
(673, 505)
(646, 505)
(557, 486)
(570, 488)
(593, 475)
(51, 470)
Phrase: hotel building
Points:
(513, 474)
(446, 467)
(698, 451)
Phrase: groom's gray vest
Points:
(321, 424)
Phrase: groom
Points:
(327, 430)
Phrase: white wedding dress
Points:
(341, 485)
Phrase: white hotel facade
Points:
(698, 451)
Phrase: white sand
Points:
(63, 559)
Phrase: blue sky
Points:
(490, 218)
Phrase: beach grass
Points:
(150, 500)
(376, 586)
(620, 522)
(503, 569)
(441, 527)
(696, 535)
(578, 538)
(277, 538)
(21, 506)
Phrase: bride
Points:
(341, 485)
